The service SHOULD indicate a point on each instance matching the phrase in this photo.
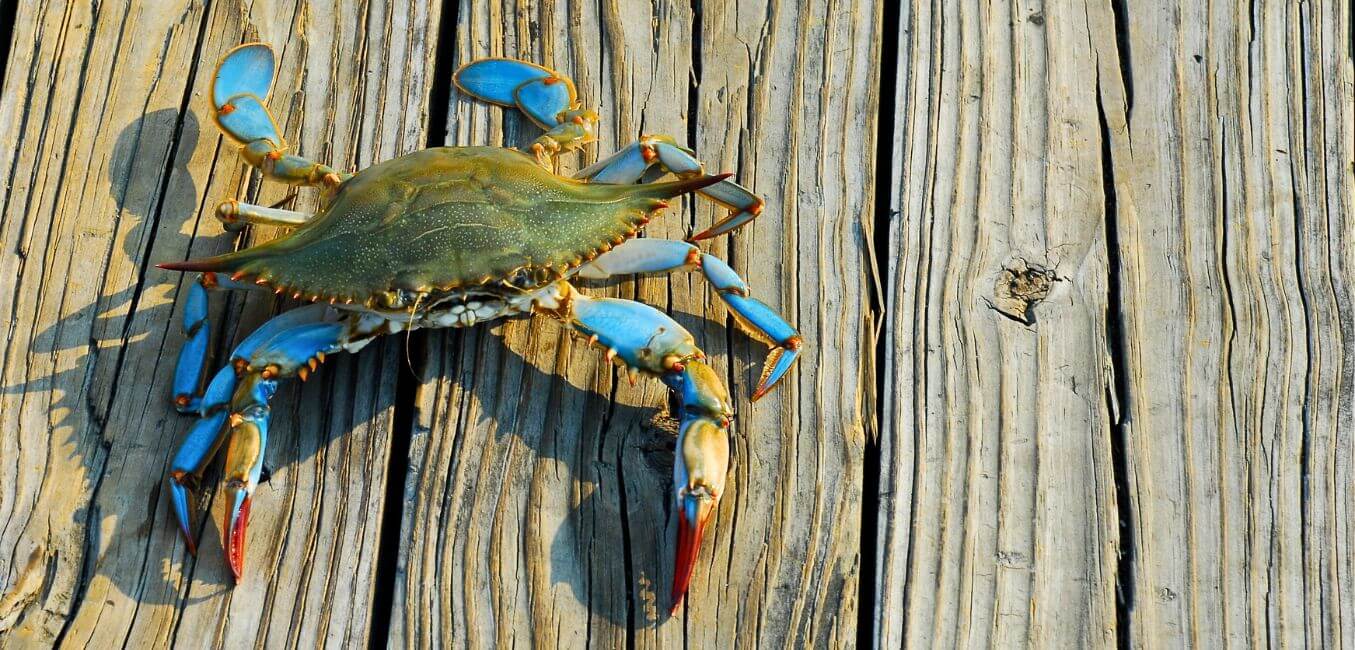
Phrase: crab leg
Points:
(239, 88)
(632, 163)
(699, 466)
(206, 436)
(634, 334)
(647, 340)
(193, 356)
(291, 352)
(234, 215)
(543, 95)
(666, 255)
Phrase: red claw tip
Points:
(235, 539)
(688, 547)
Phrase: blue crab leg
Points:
(193, 356)
(240, 86)
(634, 334)
(631, 163)
(646, 339)
(282, 341)
(189, 461)
(665, 256)
(234, 215)
(545, 96)
(292, 352)
(699, 466)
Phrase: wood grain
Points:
(114, 164)
(1233, 165)
(997, 522)
(1206, 407)
(1115, 396)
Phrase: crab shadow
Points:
(608, 454)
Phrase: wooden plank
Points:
(1233, 163)
(1228, 141)
(539, 489)
(113, 163)
(998, 520)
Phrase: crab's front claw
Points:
(700, 464)
(244, 466)
(699, 470)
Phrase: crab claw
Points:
(244, 465)
(237, 519)
(699, 479)
(700, 466)
(192, 456)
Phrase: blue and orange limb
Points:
(193, 356)
(700, 465)
(236, 412)
(546, 97)
(635, 162)
(647, 340)
(240, 87)
(666, 256)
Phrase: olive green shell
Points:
(445, 218)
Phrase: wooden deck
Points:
(1073, 279)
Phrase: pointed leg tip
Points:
(181, 498)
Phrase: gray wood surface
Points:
(1078, 366)
(1118, 385)
(113, 164)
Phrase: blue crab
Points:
(452, 237)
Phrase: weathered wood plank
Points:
(113, 163)
(1233, 162)
(1228, 145)
(539, 487)
(998, 519)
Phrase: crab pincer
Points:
(700, 465)
(647, 340)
